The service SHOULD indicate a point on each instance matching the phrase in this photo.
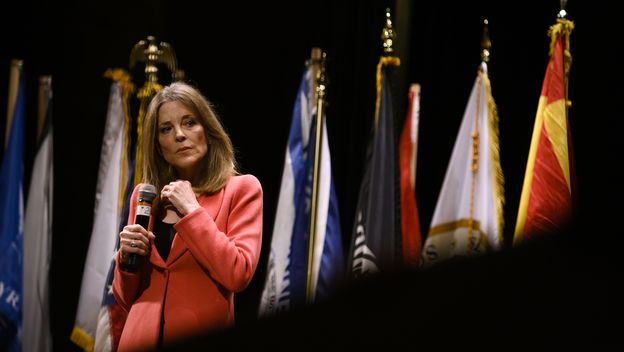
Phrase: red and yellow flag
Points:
(546, 200)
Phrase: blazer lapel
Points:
(154, 257)
(212, 204)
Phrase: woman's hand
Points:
(180, 193)
(134, 239)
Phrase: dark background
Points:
(247, 58)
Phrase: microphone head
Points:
(147, 192)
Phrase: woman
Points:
(203, 240)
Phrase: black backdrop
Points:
(248, 58)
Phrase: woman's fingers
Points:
(135, 239)
(181, 195)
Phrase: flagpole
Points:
(45, 86)
(567, 58)
(151, 53)
(388, 58)
(486, 44)
(14, 75)
(319, 76)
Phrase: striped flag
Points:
(468, 218)
(38, 232)
(106, 221)
(112, 317)
(410, 222)
(12, 224)
(546, 204)
(285, 285)
(376, 241)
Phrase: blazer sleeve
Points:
(230, 257)
(126, 285)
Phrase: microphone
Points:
(147, 193)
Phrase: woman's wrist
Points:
(191, 208)
(122, 260)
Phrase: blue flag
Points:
(285, 284)
(12, 230)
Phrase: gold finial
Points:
(322, 77)
(313, 63)
(387, 35)
(151, 53)
(486, 43)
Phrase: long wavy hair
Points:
(218, 164)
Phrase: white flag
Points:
(105, 223)
(37, 335)
(468, 217)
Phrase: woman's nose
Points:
(179, 134)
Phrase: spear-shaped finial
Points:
(322, 76)
(562, 12)
(387, 35)
(486, 43)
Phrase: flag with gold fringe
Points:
(112, 318)
(109, 200)
(468, 218)
(546, 203)
(376, 240)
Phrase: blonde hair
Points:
(218, 164)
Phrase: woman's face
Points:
(181, 138)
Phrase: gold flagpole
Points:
(567, 27)
(319, 77)
(388, 58)
(486, 44)
(45, 90)
(14, 74)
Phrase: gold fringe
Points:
(117, 75)
(474, 166)
(499, 179)
(138, 161)
(82, 339)
(562, 27)
(454, 225)
(145, 94)
(127, 88)
(383, 61)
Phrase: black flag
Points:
(374, 244)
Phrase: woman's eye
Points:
(165, 129)
(189, 123)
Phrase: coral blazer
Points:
(214, 254)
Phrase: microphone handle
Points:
(134, 260)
